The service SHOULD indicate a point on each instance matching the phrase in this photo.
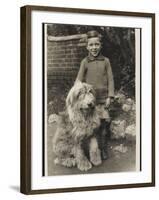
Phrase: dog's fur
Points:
(76, 126)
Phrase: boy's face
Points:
(94, 46)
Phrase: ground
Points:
(122, 157)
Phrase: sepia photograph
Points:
(90, 99)
(87, 99)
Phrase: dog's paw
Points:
(69, 162)
(95, 157)
(84, 165)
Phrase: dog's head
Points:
(82, 97)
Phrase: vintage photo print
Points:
(91, 99)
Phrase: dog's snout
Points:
(91, 105)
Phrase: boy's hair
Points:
(92, 34)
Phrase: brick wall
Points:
(64, 55)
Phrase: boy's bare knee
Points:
(93, 144)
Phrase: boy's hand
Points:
(107, 103)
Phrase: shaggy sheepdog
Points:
(74, 143)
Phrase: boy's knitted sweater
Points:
(97, 72)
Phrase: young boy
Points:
(96, 70)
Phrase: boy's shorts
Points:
(103, 112)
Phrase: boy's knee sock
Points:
(104, 139)
(105, 126)
(104, 147)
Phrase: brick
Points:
(64, 58)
